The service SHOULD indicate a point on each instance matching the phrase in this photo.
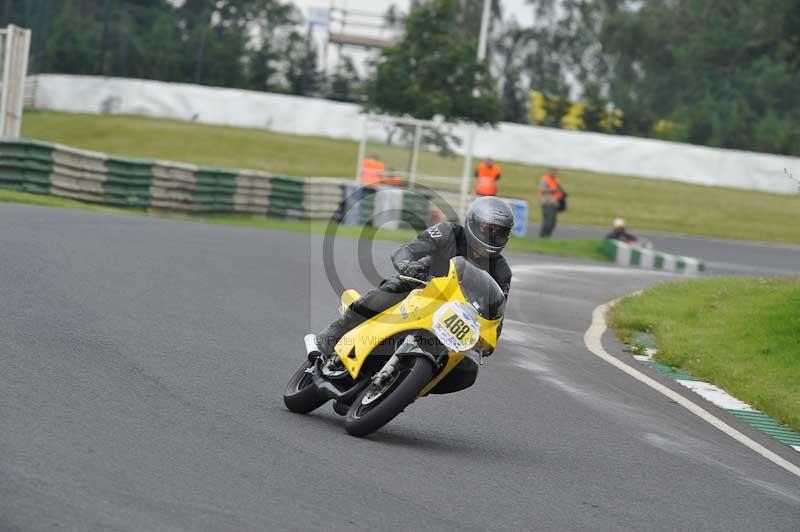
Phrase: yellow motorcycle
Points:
(393, 358)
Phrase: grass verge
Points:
(742, 334)
(583, 249)
(595, 199)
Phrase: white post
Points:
(362, 147)
(465, 179)
(26, 50)
(487, 5)
(15, 67)
(6, 36)
(412, 178)
(467, 173)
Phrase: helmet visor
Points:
(493, 235)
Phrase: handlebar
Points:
(412, 280)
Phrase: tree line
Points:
(722, 73)
(713, 72)
(246, 44)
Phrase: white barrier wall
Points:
(597, 152)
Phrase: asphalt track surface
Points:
(143, 362)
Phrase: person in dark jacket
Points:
(481, 240)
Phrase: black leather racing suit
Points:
(439, 243)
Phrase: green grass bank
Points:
(595, 199)
(576, 248)
(740, 333)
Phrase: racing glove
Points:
(413, 268)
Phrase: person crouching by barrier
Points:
(619, 233)
(551, 198)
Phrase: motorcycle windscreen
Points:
(480, 289)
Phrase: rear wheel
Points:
(376, 406)
(301, 396)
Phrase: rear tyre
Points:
(374, 408)
(301, 395)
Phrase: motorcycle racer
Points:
(480, 240)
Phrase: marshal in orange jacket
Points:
(488, 174)
(371, 171)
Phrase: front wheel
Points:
(375, 407)
(301, 395)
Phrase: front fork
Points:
(409, 347)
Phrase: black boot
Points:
(330, 335)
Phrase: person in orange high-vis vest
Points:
(487, 175)
(549, 194)
(371, 171)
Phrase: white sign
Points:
(318, 16)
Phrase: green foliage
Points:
(718, 72)
(345, 82)
(741, 333)
(301, 69)
(513, 93)
(727, 70)
(69, 51)
(638, 349)
(250, 44)
(721, 72)
(433, 71)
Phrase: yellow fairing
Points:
(414, 313)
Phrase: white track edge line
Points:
(593, 340)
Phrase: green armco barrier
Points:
(367, 205)
(286, 198)
(44, 168)
(214, 190)
(416, 209)
(27, 149)
(127, 182)
(26, 166)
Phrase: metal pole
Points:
(362, 147)
(101, 61)
(304, 75)
(465, 176)
(201, 49)
(487, 5)
(6, 12)
(412, 178)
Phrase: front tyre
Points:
(374, 408)
(301, 395)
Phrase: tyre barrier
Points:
(57, 170)
(165, 186)
(650, 259)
